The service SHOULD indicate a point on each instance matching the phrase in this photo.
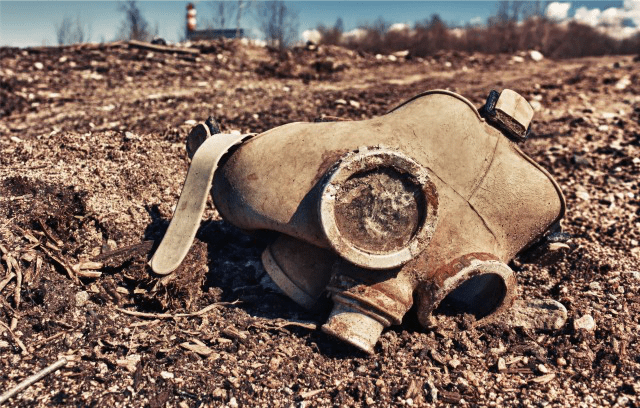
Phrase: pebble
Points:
(340, 102)
(81, 298)
(355, 104)
(454, 363)
(502, 365)
(561, 361)
(233, 403)
(38, 65)
(536, 56)
(543, 369)
(517, 58)
(541, 314)
(582, 193)
(586, 322)
(166, 375)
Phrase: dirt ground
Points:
(92, 163)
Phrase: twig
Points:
(49, 234)
(6, 280)
(63, 264)
(50, 339)
(173, 316)
(16, 339)
(16, 292)
(32, 379)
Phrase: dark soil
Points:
(92, 159)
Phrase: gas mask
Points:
(425, 205)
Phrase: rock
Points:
(454, 363)
(166, 375)
(81, 298)
(38, 65)
(580, 160)
(582, 193)
(517, 58)
(542, 369)
(340, 102)
(544, 314)
(536, 55)
(561, 361)
(623, 83)
(501, 365)
(355, 104)
(586, 322)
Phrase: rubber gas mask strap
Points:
(193, 199)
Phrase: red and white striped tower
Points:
(191, 18)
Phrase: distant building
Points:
(207, 34)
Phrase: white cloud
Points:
(355, 34)
(399, 27)
(476, 20)
(312, 35)
(613, 20)
(589, 17)
(557, 10)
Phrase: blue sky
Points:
(32, 23)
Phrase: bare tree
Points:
(70, 32)
(223, 12)
(278, 23)
(63, 31)
(134, 26)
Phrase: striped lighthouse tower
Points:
(191, 18)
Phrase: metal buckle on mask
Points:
(509, 112)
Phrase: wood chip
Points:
(309, 394)
(543, 379)
(200, 349)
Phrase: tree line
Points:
(277, 21)
(516, 26)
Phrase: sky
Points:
(33, 23)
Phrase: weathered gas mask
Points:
(424, 204)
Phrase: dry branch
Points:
(162, 48)
(173, 316)
(32, 379)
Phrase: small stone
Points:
(586, 322)
(502, 365)
(38, 65)
(340, 102)
(81, 298)
(561, 361)
(454, 363)
(544, 314)
(536, 56)
(517, 58)
(369, 401)
(542, 369)
(603, 128)
(582, 193)
(355, 104)
(594, 286)
(166, 375)
(233, 403)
